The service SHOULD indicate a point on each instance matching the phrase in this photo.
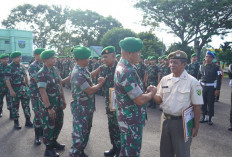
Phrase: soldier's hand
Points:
(101, 80)
(217, 92)
(195, 132)
(52, 113)
(12, 93)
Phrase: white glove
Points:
(230, 83)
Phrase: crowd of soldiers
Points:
(85, 76)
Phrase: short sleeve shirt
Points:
(80, 81)
(128, 86)
(179, 93)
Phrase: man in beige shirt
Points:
(176, 92)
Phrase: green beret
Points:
(194, 54)
(38, 51)
(152, 58)
(4, 55)
(47, 54)
(108, 49)
(178, 55)
(82, 52)
(15, 54)
(131, 44)
(118, 55)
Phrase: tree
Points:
(113, 36)
(90, 26)
(152, 45)
(190, 20)
(225, 53)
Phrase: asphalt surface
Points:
(212, 141)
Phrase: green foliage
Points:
(113, 36)
(60, 28)
(190, 20)
(225, 53)
(152, 45)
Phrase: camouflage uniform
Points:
(193, 69)
(131, 118)
(114, 131)
(16, 74)
(164, 71)
(82, 108)
(50, 79)
(34, 92)
(152, 75)
(67, 67)
(141, 69)
(3, 89)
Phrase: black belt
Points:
(171, 117)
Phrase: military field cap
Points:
(118, 55)
(152, 58)
(4, 55)
(178, 55)
(194, 54)
(82, 52)
(108, 49)
(38, 51)
(15, 54)
(210, 53)
(131, 44)
(47, 54)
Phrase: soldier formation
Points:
(135, 80)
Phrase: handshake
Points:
(152, 89)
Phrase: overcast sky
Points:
(122, 10)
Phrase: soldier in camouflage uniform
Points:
(17, 83)
(193, 68)
(210, 77)
(118, 57)
(107, 71)
(52, 103)
(165, 69)
(141, 69)
(4, 58)
(130, 98)
(34, 93)
(152, 77)
(83, 105)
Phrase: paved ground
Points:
(212, 141)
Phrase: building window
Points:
(7, 42)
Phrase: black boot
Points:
(58, 146)
(50, 152)
(11, 114)
(111, 152)
(210, 122)
(117, 153)
(16, 124)
(83, 154)
(37, 140)
(0, 113)
(28, 123)
(230, 128)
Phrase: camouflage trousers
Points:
(35, 102)
(113, 128)
(8, 100)
(51, 127)
(25, 100)
(82, 124)
(131, 140)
